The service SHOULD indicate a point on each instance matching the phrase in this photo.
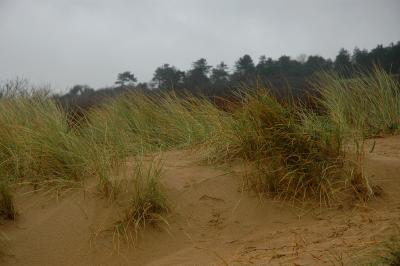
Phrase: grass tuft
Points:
(148, 201)
(147, 204)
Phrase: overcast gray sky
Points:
(65, 42)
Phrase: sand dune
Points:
(212, 221)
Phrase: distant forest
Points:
(210, 81)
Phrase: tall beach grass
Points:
(296, 152)
(368, 103)
(289, 161)
(38, 146)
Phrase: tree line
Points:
(219, 80)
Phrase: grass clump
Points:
(289, 162)
(368, 103)
(147, 203)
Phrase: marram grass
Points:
(289, 161)
(296, 153)
(147, 204)
(368, 103)
(38, 146)
(295, 156)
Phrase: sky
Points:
(68, 42)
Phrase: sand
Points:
(213, 221)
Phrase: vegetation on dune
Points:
(148, 202)
(137, 122)
(36, 141)
(289, 161)
(296, 152)
(368, 103)
(39, 146)
(296, 156)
